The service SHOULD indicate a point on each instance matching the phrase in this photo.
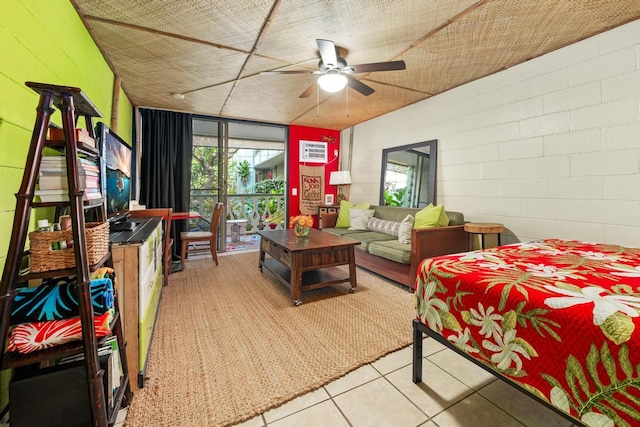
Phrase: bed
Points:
(558, 319)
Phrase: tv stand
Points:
(137, 260)
(115, 227)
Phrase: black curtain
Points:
(165, 170)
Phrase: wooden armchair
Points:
(167, 217)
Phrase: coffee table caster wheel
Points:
(297, 302)
(352, 290)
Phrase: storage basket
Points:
(44, 258)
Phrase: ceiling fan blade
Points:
(290, 72)
(379, 66)
(308, 91)
(359, 86)
(328, 53)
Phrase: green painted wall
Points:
(43, 41)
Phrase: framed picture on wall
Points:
(328, 199)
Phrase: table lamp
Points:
(340, 178)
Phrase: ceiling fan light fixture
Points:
(332, 81)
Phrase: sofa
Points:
(384, 254)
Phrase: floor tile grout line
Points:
(299, 410)
(264, 420)
(410, 401)
(473, 391)
(340, 410)
(500, 409)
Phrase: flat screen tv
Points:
(116, 172)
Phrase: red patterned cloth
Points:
(28, 337)
(557, 317)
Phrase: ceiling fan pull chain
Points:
(317, 100)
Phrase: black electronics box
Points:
(54, 397)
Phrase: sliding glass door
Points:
(242, 165)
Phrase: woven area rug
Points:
(229, 343)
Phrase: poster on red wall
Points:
(311, 189)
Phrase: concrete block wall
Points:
(550, 147)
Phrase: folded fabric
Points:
(58, 299)
(106, 273)
(29, 337)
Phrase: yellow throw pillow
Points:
(431, 216)
(443, 219)
(343, 220)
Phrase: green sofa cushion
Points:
(393, 213)
(392, 250)
(342, 231)
(367, 237)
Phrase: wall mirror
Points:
(409, 175)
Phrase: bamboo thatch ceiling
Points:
(213, 51)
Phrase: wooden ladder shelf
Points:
(72, 103)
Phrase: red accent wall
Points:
(297, 133)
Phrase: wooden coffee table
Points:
(309, 262)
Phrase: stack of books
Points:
(53, 185)
(82, 136)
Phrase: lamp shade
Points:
(332, 81)
(340, 178)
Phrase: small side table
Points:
(483, 228)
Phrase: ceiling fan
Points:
(334, 74)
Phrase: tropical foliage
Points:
(395, 197)
(204, 186)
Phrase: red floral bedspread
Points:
(560, 318)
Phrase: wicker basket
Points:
(43, 258)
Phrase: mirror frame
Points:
(433, 161)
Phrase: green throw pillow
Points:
(343, 216)
(431, 216)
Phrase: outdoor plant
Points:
(395, 197)
(243, 169)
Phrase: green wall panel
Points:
(9, 175)
(17, 103)
(125, 119)
(14, 143)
